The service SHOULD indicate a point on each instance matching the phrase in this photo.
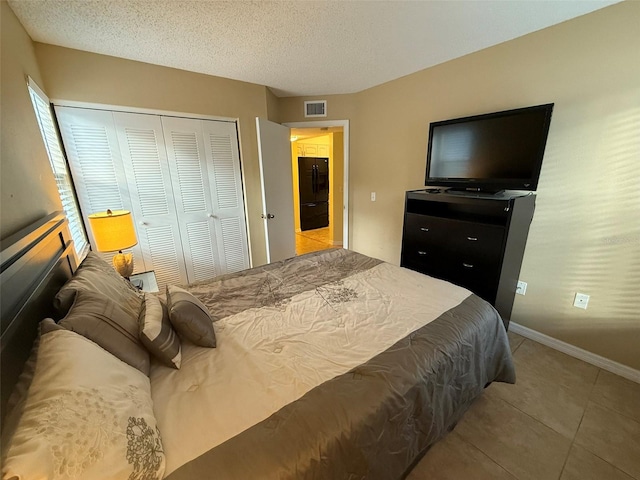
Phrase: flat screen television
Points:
(490, 152)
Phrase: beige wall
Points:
(87, 77)
(273, 106)
(28, 189)
(585, 235)
(336, 187)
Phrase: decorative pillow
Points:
(190, 317)
(94, 275)
(157, 334)
(103, 321)
(15, 403)
(87, 416)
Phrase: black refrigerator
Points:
(313, 181)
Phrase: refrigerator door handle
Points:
(314, 178)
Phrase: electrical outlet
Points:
(581, 300)
(373, 196)
(521, 289)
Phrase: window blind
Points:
(42, 108)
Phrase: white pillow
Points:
(88, 415)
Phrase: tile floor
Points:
(563, 420)
(313, 240)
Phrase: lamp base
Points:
(123, 263)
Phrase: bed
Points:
(329, 365)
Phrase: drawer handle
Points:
(424, 229)
(421, 252)
(467, 265)
(473, 239)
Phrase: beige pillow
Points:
(156, 332)
(87, 415)
(106, 323)
(94, 275)
(190, 317)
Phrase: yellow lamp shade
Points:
(113, 230)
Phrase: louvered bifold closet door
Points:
(223, 167)
(190, 180)
(91, 144)
(144, 157)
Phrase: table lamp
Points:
(114, 231)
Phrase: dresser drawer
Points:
(477, 241)
(480, 279)
(425, 230)
(430, 261)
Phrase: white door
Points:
(144, 158)
(274, 151)
(222, 155)
(205, 171)
(190, 179)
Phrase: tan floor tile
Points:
(555, 366)
(617, 393)
(612, 437)
(514, 340)
(453, 459)
(557, 406)
(584, 465)
(526, 448)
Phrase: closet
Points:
(179, 177)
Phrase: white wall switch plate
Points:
(373, 196)
(581, 300)
(521, 289)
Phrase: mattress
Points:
(330, 365)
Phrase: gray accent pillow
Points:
(156, 332)
(106, 323)
(190, 317)
(94, 275)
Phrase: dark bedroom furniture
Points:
(35, 263)
(476, 241)
(145, 281)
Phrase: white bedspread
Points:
(271, 356)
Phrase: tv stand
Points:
(473, 240)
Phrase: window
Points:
(42, 108)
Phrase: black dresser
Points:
(476, 241)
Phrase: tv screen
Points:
(495, 151)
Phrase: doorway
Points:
(317, 163)
(313, 143)
(276, 175)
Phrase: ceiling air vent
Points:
(316, 108)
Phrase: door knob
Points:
(211, 215)
(268, 216)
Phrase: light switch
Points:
(373, 196)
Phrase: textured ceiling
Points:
(293, 47)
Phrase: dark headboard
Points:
(34, 264)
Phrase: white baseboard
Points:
(584, 355)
